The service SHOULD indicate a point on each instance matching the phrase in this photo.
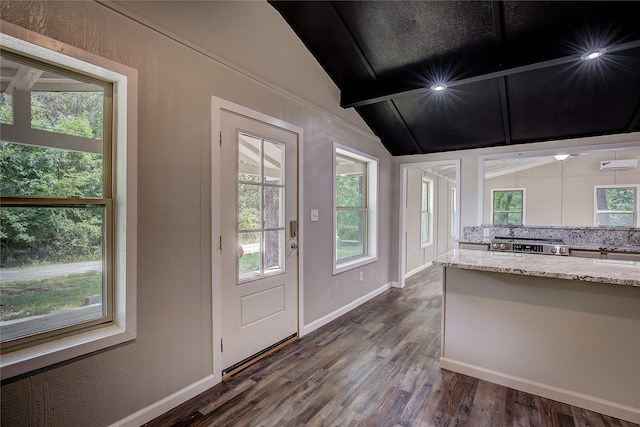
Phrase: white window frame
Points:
(636, 212)
(428, 184)
(371, 254)
(124, 140)
(524, 202)
(453, 207)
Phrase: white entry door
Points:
(259, 289)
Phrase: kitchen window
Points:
(507, 206)
(616, 206)
(67, 217)
(355, 207)
(426, 217)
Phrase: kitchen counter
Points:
(615, 272)
(564, 328)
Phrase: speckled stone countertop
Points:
(608, 239)
(559, 267)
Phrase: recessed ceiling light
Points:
(438, 87)
(593, 54)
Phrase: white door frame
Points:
(217, 105)
(402, 208)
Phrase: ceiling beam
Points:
(498, 25)
(384, 90)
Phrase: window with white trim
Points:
(616, 206)
(67, 258)
(507, 206)
(355, 207)
(426, 207)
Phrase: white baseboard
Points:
(419, 269)
(337, 313)
(160, 407)
(591, 403)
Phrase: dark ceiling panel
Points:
(394, 135)
(463, 117)
(578, 99)
(513, 69)
(318, 26)
(394, 35)
(558, 28)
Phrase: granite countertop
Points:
(559, 267)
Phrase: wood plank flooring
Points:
(375, 366)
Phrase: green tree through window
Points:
(508, 207)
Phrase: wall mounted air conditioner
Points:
(618, 164)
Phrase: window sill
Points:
(39, 356)
(351, 264)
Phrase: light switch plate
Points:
(314, 215)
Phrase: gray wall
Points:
(173, 348)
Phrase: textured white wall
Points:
(562, 194)
(174, 345)
(470, 182)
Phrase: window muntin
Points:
(261, 207)
(426, 217)
(616, 206)
(56, 201)
(507, 206)
(355, 208)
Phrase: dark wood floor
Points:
(375, 366)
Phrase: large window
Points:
(616, 206)
(426, 217)
(355, 208)
(507, 206)
(63, 212)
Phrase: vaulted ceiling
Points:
(513, 72)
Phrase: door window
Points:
(261, 202)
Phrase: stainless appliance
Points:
(535, 246)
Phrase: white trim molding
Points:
(345, 309)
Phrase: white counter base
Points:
(567, 340)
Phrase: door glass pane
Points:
(274, 251)
(249, 209)
(249, 255)
(249, 158)
(50, 279)
(351, 230)
(261, 207)
(273, 207)
(273, 163)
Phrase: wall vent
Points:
(618, 164)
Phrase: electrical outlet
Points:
(361, 276)
(314, 215)
(485, 232)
